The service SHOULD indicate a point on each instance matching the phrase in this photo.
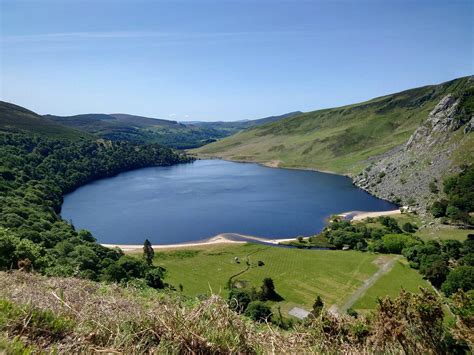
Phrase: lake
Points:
(190, 202)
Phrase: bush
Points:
(438, 209)
(258, 311)
(433, 187)
(154, 278)
(409, 228)
(239, 300)
(395, 243)
(461, 278)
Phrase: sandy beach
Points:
(360, 215)
(224, 238)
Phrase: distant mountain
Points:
(396, 145)
(235, 126)
(15, 118)
(120, 126)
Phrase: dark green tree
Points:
(238, 300)
(148, 252)
(461, 278)
(267, 292)
(318, 306)
(437, 272)
(258, 311)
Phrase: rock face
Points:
(411, 173)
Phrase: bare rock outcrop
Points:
(411, 174)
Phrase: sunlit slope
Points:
(339, 139)
(15, 118)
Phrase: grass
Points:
(427, 233)
(41, 314)
(299, 275)
(339, 139)
(400, 277)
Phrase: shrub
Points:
(318, 306)
(461, 278)
(395, 243)
(438, 209)
(409, 228)
(154, 278)
(258, 311)
(239, 300)
(433, 187)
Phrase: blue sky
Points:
(225, 60)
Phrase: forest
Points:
(35, 172)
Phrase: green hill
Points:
(119, 126)
(15, 118)
(341, 139)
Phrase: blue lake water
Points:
(195, 201)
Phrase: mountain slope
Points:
(236, 126)
(119, 126)
(15, 118)
(339, 139)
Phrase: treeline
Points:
(35, 172)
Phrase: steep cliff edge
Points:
(412, 173)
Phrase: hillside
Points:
(139, 129)
(351, 138)
(15, 118)
(119, 126)
(233, 127)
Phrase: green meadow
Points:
(299, 275)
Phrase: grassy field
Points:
(299, 275)
(338, 139)
(401, 276)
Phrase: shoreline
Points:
(269, 164)
(223, 238)
(236, 238)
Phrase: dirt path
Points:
(384, 268)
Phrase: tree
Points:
(395, 243)
(154, 277)
(258, 311)
(268, 292)
(409, 228)
(437, 272)
(238, 300)
(438, 209)
(318, 306)
(148, 252)
(461, 278)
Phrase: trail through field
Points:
(385, 267)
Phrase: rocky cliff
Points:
(412, 173)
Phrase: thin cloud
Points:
(80, 36)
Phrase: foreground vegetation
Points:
(69, 315)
